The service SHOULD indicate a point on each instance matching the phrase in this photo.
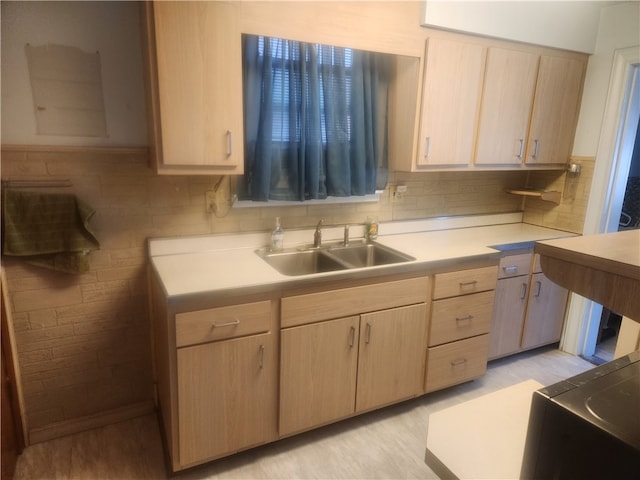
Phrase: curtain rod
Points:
(36, 183)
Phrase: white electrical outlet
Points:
(397, 193)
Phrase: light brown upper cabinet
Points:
(509, 83)
(555, 110)
(529, 110)
(194, 68)
(450, 101)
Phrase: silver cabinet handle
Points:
(229, 143)
(521, 149)
(538, 289)
(228, 324)
(352, 336)
(463, 319)
(523, 295)
(471, 284)
(368, 334)
(460, 361)
(261, 356)
(536, 148)
(510, 269)
(427, 147)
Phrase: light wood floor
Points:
(388, 443)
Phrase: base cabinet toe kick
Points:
(238, 372)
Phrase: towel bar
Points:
(36, 183)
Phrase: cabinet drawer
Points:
(515, 265)
(456, 362)
(314, 307)
(463, 282)
(460, 317)
(224, 322)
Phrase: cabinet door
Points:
(508, 316)
(555, 110)
(227, 397)
(545, 313)
(450, 101)
(507, 97)
(392, 356)
(318, 373)
(199, 76)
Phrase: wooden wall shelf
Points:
(547, 196)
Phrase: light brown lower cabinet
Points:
(508, 316)
(333, 369)
(459, 326)
(529, 308)
(231, 376)
(226, 396)
(545, 312)
(216, 367)
(318, 373)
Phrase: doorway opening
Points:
(629, 219)
(616, 162)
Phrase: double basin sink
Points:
(330, 258)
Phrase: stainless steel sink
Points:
(305, 262)
(331, 258)
(368, 255)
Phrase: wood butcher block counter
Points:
(602, 267)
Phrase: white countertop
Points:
(219, 263)
(483, 438)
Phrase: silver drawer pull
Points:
(462, 319)
(539, 289)
(368, 334)
(510, 269)
(472, 283)
(261, 356)
(536, 148)
(457, 363)
(523, 294)
(229, 143)
(228, 324)
(521, 149)
(352, 336)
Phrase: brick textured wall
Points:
(83, 341)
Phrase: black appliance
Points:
(588, 426)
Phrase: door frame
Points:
(613, 159)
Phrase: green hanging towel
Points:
(48, 229)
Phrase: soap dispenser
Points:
(277, 236)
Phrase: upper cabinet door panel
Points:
(450, 101)
(509, 84)
(199, 71)
(555, 110)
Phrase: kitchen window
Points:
(315, 121)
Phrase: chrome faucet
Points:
(317, 236)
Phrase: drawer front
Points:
(460, 317)
(224, 322)
(514, 265)
(456, 362)
(314, 307)
(464, 282)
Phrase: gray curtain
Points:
(315, 120)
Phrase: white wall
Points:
(112, 28)
(570, 25)
(619, 28)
